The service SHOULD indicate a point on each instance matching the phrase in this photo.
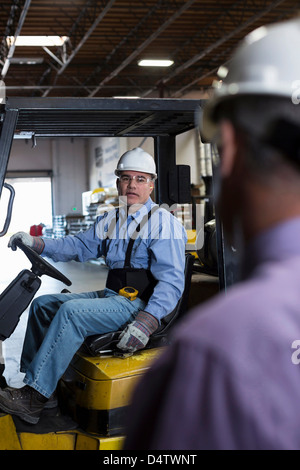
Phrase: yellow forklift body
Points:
(97, 390)
(48, 441)
(8, 436)
(11, 439)
(191, 242)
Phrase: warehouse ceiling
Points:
(107, 39)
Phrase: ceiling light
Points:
(26, 60)
(37, 40)
(155, 63)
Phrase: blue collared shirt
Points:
(160, 247)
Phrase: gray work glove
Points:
(136, 335)
(36, 243)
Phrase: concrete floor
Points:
(84, 277)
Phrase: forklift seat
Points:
(101, 343)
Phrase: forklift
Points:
(95, 390)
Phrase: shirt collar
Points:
(141, 212)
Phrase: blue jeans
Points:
(57, 326)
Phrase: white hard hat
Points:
(136, 160)
(265, 63)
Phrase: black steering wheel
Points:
(39, 265)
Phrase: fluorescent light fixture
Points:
(127, 97)
(37, 40)
(155, 63)
(26, 60)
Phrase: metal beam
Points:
(165, 157)
(212, 47)
(72, 34)
(221, 41)
(16, 34)
(181, 91)
(142, 46)
(81, 42)
(151, 12)
(87, 35)
(10, 117)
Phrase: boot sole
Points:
(52, 404)
(19, 414)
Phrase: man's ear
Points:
(117, 183)
(229, 148)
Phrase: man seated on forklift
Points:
(150, 262)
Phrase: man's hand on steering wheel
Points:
(36, 243)
(39, 265)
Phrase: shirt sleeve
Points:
(80, 247)
(167, 263)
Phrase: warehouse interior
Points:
(63, 182)
(104, 43)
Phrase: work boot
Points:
(49, 404)
(3, 383)
(25, 402)
(52, 402)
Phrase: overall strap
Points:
(145, 219)
(113, 225)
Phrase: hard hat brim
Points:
(118, 172)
